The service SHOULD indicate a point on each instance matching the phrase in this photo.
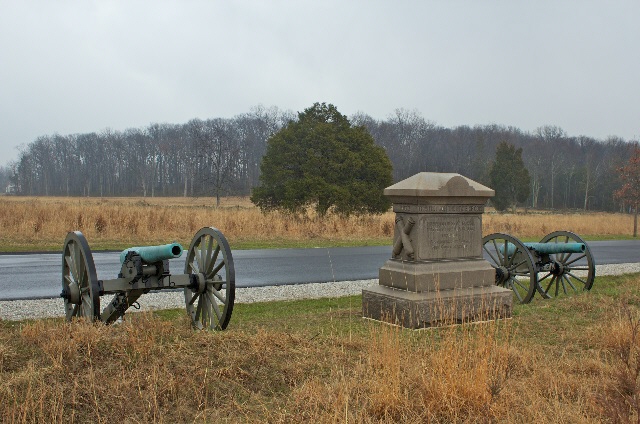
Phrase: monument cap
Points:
(435, 184)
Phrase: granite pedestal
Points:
(437, 275)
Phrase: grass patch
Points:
(323, 243)
(9, 246)
(571, 359)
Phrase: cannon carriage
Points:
(208, 280)
(560, 264)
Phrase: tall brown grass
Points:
(540, 224)
(152, 370)
(42, 223)
(575, 359)
(620, 397)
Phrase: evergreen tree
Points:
(321, 161)
(509, 177)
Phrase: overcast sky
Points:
(81, 66)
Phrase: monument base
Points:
(437, 275)
(436, 308)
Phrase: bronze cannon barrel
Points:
(552, 248)
(548, 248)
(151, 254)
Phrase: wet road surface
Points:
(30, 276)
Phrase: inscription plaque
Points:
(450, 236)
(438, 208)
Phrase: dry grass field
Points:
(571, 360)
(29, 223)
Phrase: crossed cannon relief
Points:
(404, 242)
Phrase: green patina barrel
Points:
(548, 248)
(151, 254)
(551, 248)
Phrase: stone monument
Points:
(437, 275)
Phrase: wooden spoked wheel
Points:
(570, 272)
(210, 297)
(80, 289)
(513, 263)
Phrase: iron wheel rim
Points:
(511, 266)
(209, 258)
(551, 283)
(79, 276)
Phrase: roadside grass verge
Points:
(574, 359)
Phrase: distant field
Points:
(41, 223)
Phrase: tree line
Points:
(565, 172)
(199, 158)
(221, 156)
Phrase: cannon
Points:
(560, 264)
(208, 280)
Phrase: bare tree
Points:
(630, 190)
(552, 136)
(215, 143)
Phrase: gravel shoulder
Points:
(16, 310)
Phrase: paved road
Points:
(32, 276)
